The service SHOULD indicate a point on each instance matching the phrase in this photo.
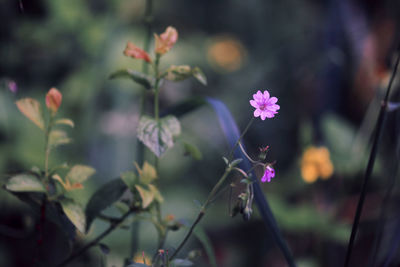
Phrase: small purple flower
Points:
(12, 86)
(264, 104)
(268, 174)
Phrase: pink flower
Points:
(265, 105)
(166, 40)
(268, 174)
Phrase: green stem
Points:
(140, 147)
(240, 138)
(47, 147)
(203, 210)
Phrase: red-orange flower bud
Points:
(53, 99)
(133, 51)
(166, 40)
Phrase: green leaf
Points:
(193, 151)
(236, 162)
(205, 241)
(58, 138)
(65, 122)
(105, 196)
(157, 195)
(178, 73)
(79, 173)
(138, 77)
(147, 174)
(199, 75)
(32, 110)
(130, 179)
(147, 195)
(158, 136)
(25, 183)
(75, 213)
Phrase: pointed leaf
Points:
(79, 173)
(25, 183)
(157, 195)
(130, 179)
(199, 75)
(58, 138)
(31, 109)
(74, 212)
(146, 195)
(193, 151)
(158, 136)
(105, 196)
(66, 122)
(178, 73)
(138, 77)
(147, 174)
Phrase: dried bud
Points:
(53, 100)
(133, 51)
(166, 40)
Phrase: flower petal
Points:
(263, 115)
(266, 95)
(254, 103)
(257, 113)
(272, 100)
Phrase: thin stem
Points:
(95, 241)
(370, 165)
(240, 138)
(203, 210)
(47, 147)
(140, 147)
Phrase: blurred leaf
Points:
(130, 179)
(105, 196)
(206, 243)
(146, 194)
(104, 248)
(236, 162)
(31, 109)
(138, 77)
(25, 183)
(122, 207)
(193, 151)
(199, 75)
(158, 136)
(182, 262)
(178, 73)
(66, 122)
(57, 138)
(79, 173)
(74, 212)
(157, 194)
(147, 174)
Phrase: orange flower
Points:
(133, 51)
(53, 100)
(166, 40)
(316, 163)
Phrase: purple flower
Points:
(12, 86)
(264, 104)
(268, 174)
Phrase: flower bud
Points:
(133, 51)
(166, 40)
(53, 100)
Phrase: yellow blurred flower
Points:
(315, 163)
(142, 258)
(226, 53)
